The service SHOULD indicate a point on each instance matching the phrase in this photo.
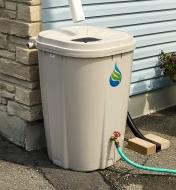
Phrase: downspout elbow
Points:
(32, 43)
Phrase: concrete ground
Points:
(20, 170)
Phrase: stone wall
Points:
(19, 78)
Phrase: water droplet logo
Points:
(115, 77)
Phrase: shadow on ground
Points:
(15, 164)
(163, 122)
(59, 178)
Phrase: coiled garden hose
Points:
(141, 167)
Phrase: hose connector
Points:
(115, 136)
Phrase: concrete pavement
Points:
(21, 170)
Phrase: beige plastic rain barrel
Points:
(85, 76)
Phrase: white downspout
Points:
(76, 10)
(77, 16)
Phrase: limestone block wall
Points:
(19, 76)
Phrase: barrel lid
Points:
(86, 41)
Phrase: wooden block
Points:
(141, 146)
(164, 142)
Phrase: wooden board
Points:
(141, 146)
(164, 142)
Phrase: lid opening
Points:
(86, 39)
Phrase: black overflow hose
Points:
(138, 134)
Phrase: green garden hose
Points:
(141, 167)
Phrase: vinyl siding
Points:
(152, 22)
